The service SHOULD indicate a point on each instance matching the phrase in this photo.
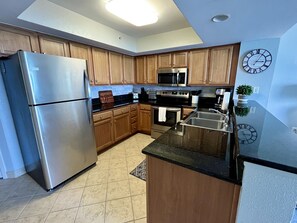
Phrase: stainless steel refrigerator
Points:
(50, 101)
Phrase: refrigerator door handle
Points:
(87, 95)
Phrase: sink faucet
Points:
(226, 116)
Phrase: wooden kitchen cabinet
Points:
(141, 77)
(220, 65)
(121, 119)
(53, 46)
(101, 66)
(128, 69)
(144, 118)
(116, 68)
(83, 52)
(103, 128)
(188, 196)
(198, 67)
(133, 117)
(12, 40)
(151, 69)
(176, 59)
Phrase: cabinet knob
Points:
(91, 81)
(96, 81)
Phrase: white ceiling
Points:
(180, 22)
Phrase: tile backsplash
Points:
(126, 89)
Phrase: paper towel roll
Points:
(226, 100)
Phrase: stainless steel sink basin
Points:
(207, 123)
(208, 120)
(209, 115)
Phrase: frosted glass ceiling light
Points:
(136, 12)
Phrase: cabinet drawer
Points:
(133, 107)
(121, 110)
(134, 127)
(133, 113)
(102, 115)
(133, 119)
(145, 107)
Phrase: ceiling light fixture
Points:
(220, 18)
(136, 12)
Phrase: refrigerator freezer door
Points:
(53, 78)
(66, 139)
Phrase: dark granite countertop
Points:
(265, 140)
(196, 149)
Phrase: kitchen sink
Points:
(209, 120)
(207, 123)
(209, 115)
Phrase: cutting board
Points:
(106, 97)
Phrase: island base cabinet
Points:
(176, 194)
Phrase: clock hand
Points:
(258, 58)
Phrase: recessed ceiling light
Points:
(220, 18)
(136, 12)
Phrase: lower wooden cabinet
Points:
(133, 118)
(121, 122)
(103, 128)
(144, 123)
(178, 194)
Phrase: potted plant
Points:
(243, 91)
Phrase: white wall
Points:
(12, 165)
(283, 95)
(262, 80)
(267, 195)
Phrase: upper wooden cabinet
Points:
(215, 66)
(83, 52)
(129, 69)
(116, 68)
(177, 59)
(198, 67)
(151, 69)
(220, 65)
(141, 77)
(12, 40)
(54, 46)
(100, 64)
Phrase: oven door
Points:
(173, 116)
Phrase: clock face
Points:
(256, 61)
(247, 134)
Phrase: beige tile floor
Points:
(107, 193)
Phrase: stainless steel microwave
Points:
(173, 77)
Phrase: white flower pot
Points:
(242, 99)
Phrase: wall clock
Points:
(256, 61)
(247, 134)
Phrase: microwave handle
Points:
(177, 78)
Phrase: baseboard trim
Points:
(15, 173)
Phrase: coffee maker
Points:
(219, 97)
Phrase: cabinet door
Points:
(103, 133)
(164, 60)
(100, 63)
(144, 121)
(141, 77)
(180, 59)
(83, 52)
(53, 46)
(116, 68)
(12, 40)
(198, 62)
(151, 69)
(121, 126)
(129, 68)
(220, 65)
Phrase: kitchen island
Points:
(181, 167)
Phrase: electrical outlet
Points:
(294, 129)
(256, 90)
(252, 110)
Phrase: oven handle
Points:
(167, 109)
